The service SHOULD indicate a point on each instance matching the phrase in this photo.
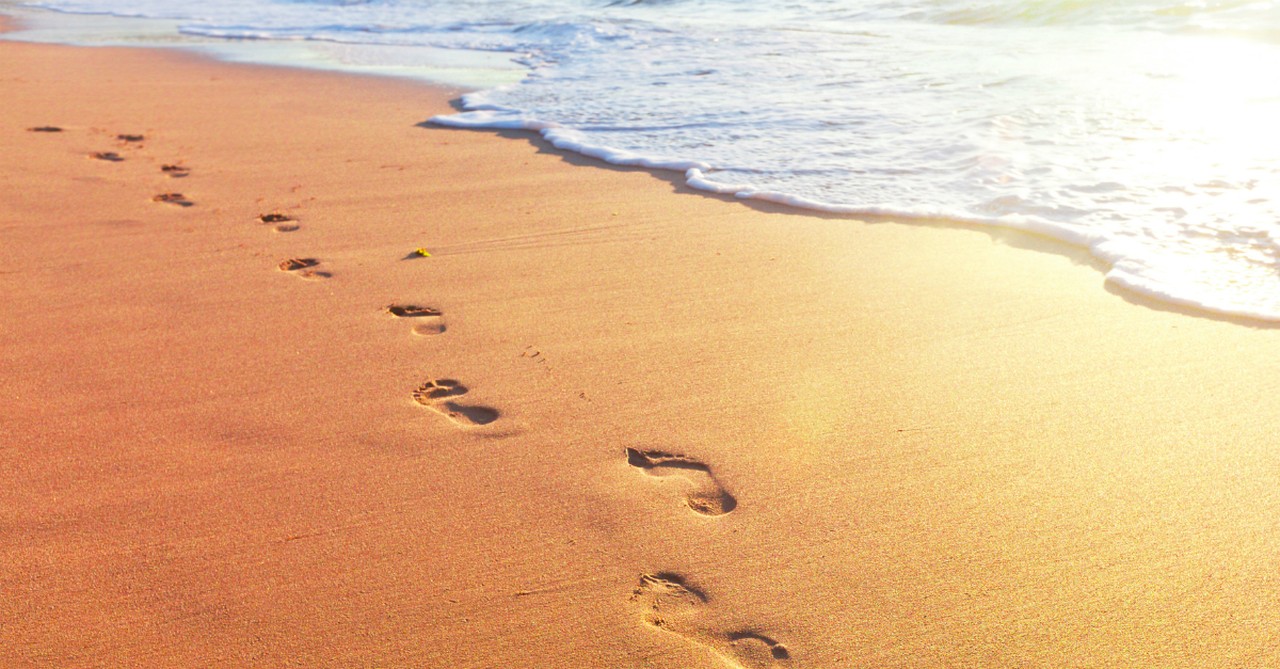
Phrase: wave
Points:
(1131, 265)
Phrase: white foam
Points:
(450, 66)
(1132, 266)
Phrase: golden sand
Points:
(606, 422)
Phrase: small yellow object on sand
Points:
(422, 252)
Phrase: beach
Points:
(600, 420)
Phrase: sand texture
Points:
(606, 422)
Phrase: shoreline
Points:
(1039, 234)
(804, 444)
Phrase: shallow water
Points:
(1141, 129)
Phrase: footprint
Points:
(285, 223)
(295, 264)
(130, 138)
(173, 198)
(665, 599)
(109, 156)
(45, 128)
(757, 650)
(436, 395)
(668, 602)
(303, 267)
(708, 498)
(175, 171)
(427, 321)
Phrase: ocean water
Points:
(1144, 130)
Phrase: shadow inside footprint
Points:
(757, 649)
(468, 414)
(428, 321)
(45, 128)
(173, 198)
(285, 224)
(295, 264)
(303, 267)
(175, 171)
(665, 598)
(436, 395)
(439, 389)
(668, 602)
(708, 498)
(109, 156)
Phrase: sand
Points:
(623, 425)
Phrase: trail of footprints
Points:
(176, 170)
(133, 141)
(305, 268)
(666, 601)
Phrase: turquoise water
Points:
(1142, 130)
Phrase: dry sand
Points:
(852, 444)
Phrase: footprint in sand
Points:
(173, 198)
(668, 602)
(130, 138)
(283, 223)
(45, 128)
(175, 171)
(303, 267)
(427, 321)
(109, 156)
(437, 395)
(708, 498)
